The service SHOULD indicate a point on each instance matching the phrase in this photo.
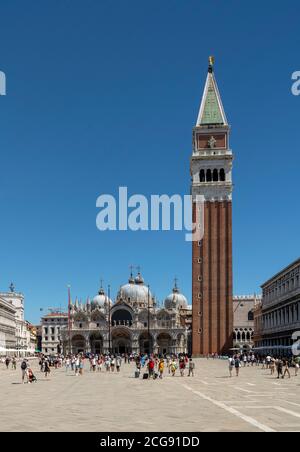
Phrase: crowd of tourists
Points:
(154, 366)
(149, 366)
(97, 363)
(279, 366)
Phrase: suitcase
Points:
(145, 376)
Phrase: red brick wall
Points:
(202, 140)
(215, 306)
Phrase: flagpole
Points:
(150, 344)
(109, 325)
(69, 317)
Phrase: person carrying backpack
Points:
(24, 370)
(151, 366)
(237, 365)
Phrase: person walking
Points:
(99, 364)
(237, 365)
(94, 363)
(230, 365)
(81, 366)
(24, 370)
(182, 366)
(46, 368)
(118, 363)
(151, 366)
(169, 363)
(191, 367)
(107, 364)
(67, 364)
(14, 363)
(272, 366)
(279, 365)
(173, 367)
(161, 367)
(76, 364)
(7, 362)
(286, 368)
(138, 364)
(112, 364)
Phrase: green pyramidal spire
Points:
(211, 110)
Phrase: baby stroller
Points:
(31, 376)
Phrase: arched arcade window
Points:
(222, 175)
(215, 175)
(202, 175)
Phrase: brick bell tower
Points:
(211, 171)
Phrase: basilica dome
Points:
(100, 301)
(135, 292)
(176, 300)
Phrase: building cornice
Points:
(278, 275)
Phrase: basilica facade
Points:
(133, 323)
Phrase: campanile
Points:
(211, 171)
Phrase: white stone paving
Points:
(211, 401)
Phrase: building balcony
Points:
(214, 153)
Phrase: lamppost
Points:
(109, 320)
(69, 318)
(149, 321)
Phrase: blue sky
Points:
(102, 94)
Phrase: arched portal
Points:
(96, 343)
(145, 343)
(121, 317)
(78, 344)
(121, 341)
(164, 342)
